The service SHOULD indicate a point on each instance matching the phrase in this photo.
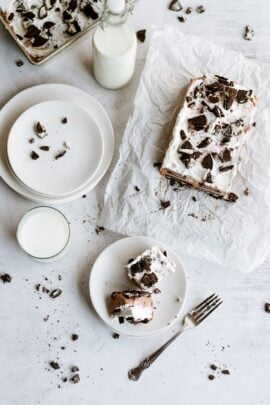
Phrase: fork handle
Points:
(135, 373)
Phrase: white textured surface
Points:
(180, 376)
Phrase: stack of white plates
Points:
(85, 136)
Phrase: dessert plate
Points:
(79, 139)
(61, 92)
(108, 275)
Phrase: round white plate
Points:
(47, 175)
(108, 275)
(45, 92)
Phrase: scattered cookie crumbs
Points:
(175, 5)
(74, 336)
(55, 293)
(189, 10)
(211, 377)
(115, 335)
(6, 278)
(64, 120)
(34, 155)
(246, 191)
(249, 33)
(181, 18)
(165, 204)
(19, 62)
(99, 229)
(136, 188)
(60, 154)
(141, 35)
(54, 365)
(267, 307)
(200, 9)
(75, 379)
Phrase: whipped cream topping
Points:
(206, 149)
(147, 269)
(55, 22)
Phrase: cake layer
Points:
(147, 269)
(208, 135)
(132, 305)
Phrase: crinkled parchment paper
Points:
(235, 235)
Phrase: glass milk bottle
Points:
(114, 47)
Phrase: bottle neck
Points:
(111, 19)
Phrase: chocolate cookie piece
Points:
(197, 123)
(149, 279)
(6, 278)
(64, 120)
(67, 16)
(55, 293)
(48, 25)
(75, 379)
(74, 336)
(165, 204)
(141, 35)
(34, 155)
(200, 9)
(226, 155)
(186, 145)
(207, 162)
(242, 96)
(54, 365)
(72, 5)
(175, 5)
(217, 111)
(213, 98)
(32, 31)
(229, 97)
(60, 154)
(249, 33)
(182, 134)
(19, 62)
(181, 18)
(205, 142)
(209, 178)
(226, 168)
(11, 16)
(42, 12)
(90, 12)
(267, 307)
(189, 10)
(39, 41)
(73, 28)
(74, 369)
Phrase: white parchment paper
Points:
(234, 235)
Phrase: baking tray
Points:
(38, 60)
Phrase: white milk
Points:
(114, 49)
(43, 233)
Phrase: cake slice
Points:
(147, 269)
(208, 135)
(133, 306)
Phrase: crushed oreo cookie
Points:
(267, 307)
(249, 33)
(64, 120)
(200, 9)
(175, 5)
(197, 123)
(182, 19)
(165, 204)
(74, 336)
(45, 148)
(19, 62)
(54, 365)
(34, 155)
(189, 10)
(115, 335)
(6, 278)
(75, 379)
(60, 154)
(55, 293)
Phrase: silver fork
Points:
(192, 319)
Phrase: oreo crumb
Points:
(213, 367)
(115, 335)
(136, 188)
(19, 62)
(200, 9)
(211, 377)
(46, 148)
(157, 291)
(194, 198)
(249, 33)
(74, 336)
(64, 120)
(60, 154)
(175, 5)
(254, 124)
(267, 307)
(62, 348)
(31, 140)
(74, 369)
(6, 278)
(54, 365)
(141, 35)
(225, 371)
(75, 379)
(99, 229)
(246, 191)
(189, 10)
(55, 293)
(64, 379)
(84, 196)
(157, 164)
(165, 204)
(181, 19)
(34, 155)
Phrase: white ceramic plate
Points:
(46, 175)
(108, 275)
(45, 92)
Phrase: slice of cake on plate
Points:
(132, 305)
(208, 135)
(147, 269)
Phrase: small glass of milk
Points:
(44, 234)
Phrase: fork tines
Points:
(201, 311)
